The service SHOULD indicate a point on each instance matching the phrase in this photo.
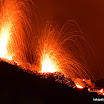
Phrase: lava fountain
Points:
(61, 50)
(14, 28)
(22, 40)
(44, 48)
(5, 28)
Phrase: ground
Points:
(18, 86)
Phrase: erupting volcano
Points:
(28, 42)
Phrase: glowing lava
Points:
(3, 43)
(79, 86)
(5, 31)
(4, 37)
(79, 83)
(14, 27)
(48, 65)
(56, 50)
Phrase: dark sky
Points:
(89, 14)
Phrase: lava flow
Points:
(44, 48)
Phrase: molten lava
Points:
(79, 86)
(48, 65)
(3, 43)
(4, 38)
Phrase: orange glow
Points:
(101, 91)
(79, 83)
(3, 42)
(5, 30)
(48, 65)
(79, 86)
(54, 50)
(13, 23)
(4, 36)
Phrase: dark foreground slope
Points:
(19, 87)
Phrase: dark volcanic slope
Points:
(20, 87)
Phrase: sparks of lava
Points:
(45, 48)
(14, 28)
(5, 28)
(23, 40)
(61, 50)
(48, 65)
(79, 83)
(99, 91)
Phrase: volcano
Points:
(20, 86)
